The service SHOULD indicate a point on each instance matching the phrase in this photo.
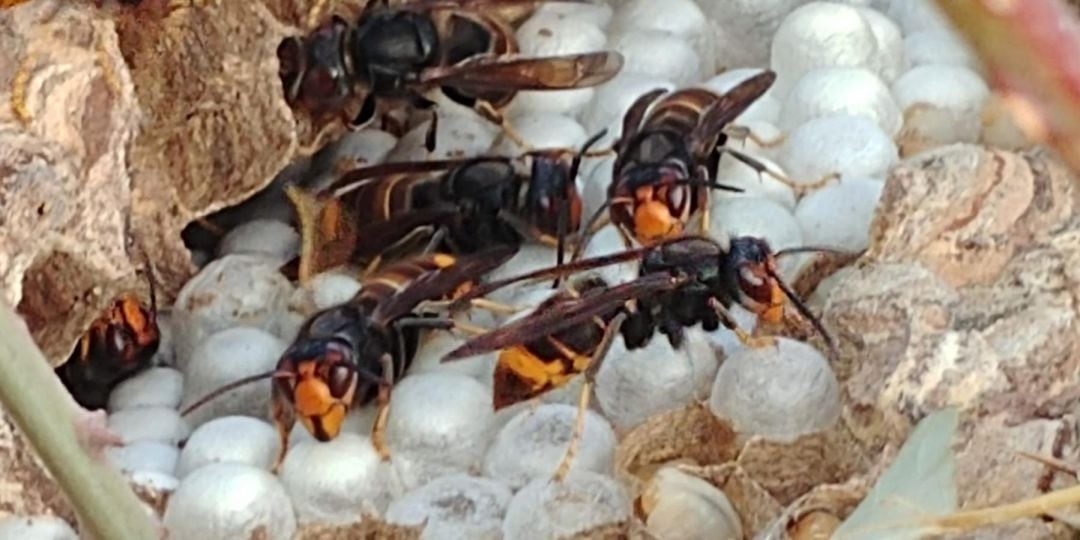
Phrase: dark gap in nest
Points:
(204, 235)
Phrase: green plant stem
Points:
(37, 403)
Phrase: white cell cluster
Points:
(454, 506)
(539, 130)
(544, 509)
(438, 344)
(229, 439)
(754, 183)
(839, 215)
(860, 85)
(598, 14)
(268, 237)
(942, 104)
(155, 387)
(235, 290)
(634, 385)
(42, 527)
(356, 149)
(779, 392)
(528, 258)
(891, 61)
(532, 443)
(659, 54)
(358, 421)
(679, 18)
(330, 289)
(333, 482)
(916, 16)
(842, 144)
(841, 90)
(439, 423)
(154, 480)
(607, 241)
(821, 34)
(745, 28)
(144, 456)
(162, 424)
(458, 134)
(225, 501)
(225, 357)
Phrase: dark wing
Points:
(375, 238)
(552, 272)
(494, 74)
(362, 176)
(731, 105)
(563, 316)
(636, 113)
(441, 283)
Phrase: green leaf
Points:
(919, 484)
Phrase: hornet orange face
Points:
(548, 211)
(658, 213)
(322, 390)
(756, 272)
(123, 335)
(116, 346)
(660, 209)
(762, 292)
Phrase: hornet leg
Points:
(729, 322)
(478, 303)
(586, 392)
(378, 431)
(760, 167)
(490, 114)
(284, 419)
(743, 133)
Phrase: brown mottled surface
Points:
(691, 434)
(788, 471)
(118, 127)
(969, 297)
(965, 213)
(26, 488)
(365, 530)
(68, 120)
